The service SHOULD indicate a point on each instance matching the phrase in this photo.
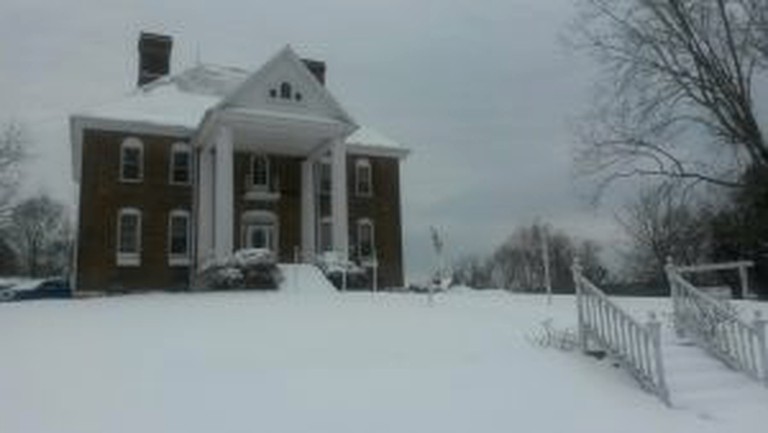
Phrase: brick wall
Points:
(102, 194)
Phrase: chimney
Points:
(317, 68)
(154, 56)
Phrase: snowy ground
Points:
(321, 362)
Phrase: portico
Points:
(260, 133)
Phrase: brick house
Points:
(195, 165)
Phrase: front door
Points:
(260, 236)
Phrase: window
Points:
(325, 177)
(181, 164)
(259, 230)
(260, 172)
(326, 234)
(365, 239)
(285, 90)
(178, 238)
(363, 178)
(129, 237)
(131, 160)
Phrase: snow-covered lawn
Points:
(319, 362)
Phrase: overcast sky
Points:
(483, 92)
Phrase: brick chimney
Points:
(317, 68)
(154, 56)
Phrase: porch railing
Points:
(716, 326)
(636, 346)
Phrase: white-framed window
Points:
(325, 232)
(260, 172)
(129, 237)
(131, 160)
(179, 235)
(363, 178)
(181, 164)
(365, 239)
(260, 230)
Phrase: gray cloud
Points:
(483, 92)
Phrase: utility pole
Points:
(545, 259)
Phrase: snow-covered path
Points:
(288, 362)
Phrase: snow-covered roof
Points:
(181, 101)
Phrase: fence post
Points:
(674, 292)
(744, 281)
(759, 324)
(576, 271)
(654, 326)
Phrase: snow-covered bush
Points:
(334, 266)
(252, 268)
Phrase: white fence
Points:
(636, 346)
(715, 324)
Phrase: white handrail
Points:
(715, 325)
(635, 346)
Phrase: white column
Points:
(339, 197)
(224, 199)
(308, 210)
(204, 232)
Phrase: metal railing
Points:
(636, 346)
(715, 325)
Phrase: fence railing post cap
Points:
(670, 263)
(576, 263)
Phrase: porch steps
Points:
(304, 278)
(701, 383)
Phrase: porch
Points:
(236, 208)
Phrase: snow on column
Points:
(224, 207)
(339, 197)
(204, 232)
(308, 209)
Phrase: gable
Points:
(285, 85)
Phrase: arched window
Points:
(365, 239)
(178, 238)
(363, 178)
(285, 90)
(181, 164)
(129, 237)
(131, 160)
(260, 172)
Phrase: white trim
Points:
(387, 152)
(132, 143)
(128, 259)
(179, 259)
(180, 147)
(359, 165)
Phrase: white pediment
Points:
(285, 85)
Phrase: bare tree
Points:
(517, 264)
(13, 140)
(663, 223)
(40, 233)
(677, 89)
